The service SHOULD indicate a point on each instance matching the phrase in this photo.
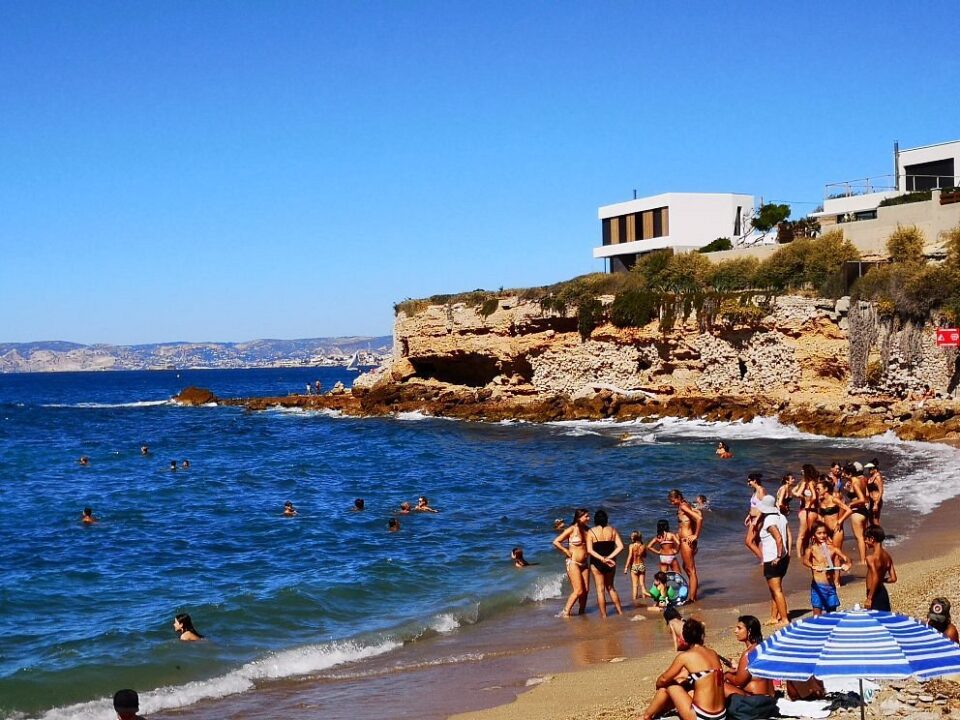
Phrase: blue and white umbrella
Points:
(856, 644)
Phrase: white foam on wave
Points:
(289, 663)
(416, 415)
(547, 587)
(445, 623)
(88, 405)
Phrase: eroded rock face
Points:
(569, 369)
(195, 396)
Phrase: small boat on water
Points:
(354, 363)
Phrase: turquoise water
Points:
(85, 610)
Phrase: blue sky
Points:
(230, 171)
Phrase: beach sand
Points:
(928, 565)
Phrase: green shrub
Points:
(489, 307)
(633, 308)
(905, 245)
(721, 243)
(807, 262)
(589, 316)
(908, 198)
(952, 242)
(738, 274)
(769, 216)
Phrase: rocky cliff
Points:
(517, 361)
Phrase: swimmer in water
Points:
(423, 505)
(173, 466)
(87, 518)
(84, 460)
(393, 525)
(288, 509)
(144, 449)
(404, 508)
(358, 505)
(722, 451)
(558, 525)
(183, 625)
(701, 503)
(516, 555)
(185, 465)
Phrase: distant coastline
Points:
(59, 356)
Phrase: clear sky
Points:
(238, 170)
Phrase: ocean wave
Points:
(289, 663)
(95, 405)
(546, 588)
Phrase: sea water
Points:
(85, 610)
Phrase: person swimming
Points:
(84, 460)
(87, 518)
(722, 451)
(393, 525)
(183, 625)
(423, 505)
(358, 505)
(173, 466)
(185, 465)
(516, 555)
(288, 509)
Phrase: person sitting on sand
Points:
(87, 518)
(183, 625)
(824, 559)
(704, 700)
(518, 560)
(126, 703)
(358, 505)
(393, 525)
(880, 569)
(423, 505)
(665, 544)
(674, 621)
(722, 451)
(288, 509)
(938, 617)
(740, 681)
(636, 566)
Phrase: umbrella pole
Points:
(863, 701)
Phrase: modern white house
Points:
(681, 221)
(855, 206)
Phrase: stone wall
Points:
(568, 370)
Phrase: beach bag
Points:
(752, 707)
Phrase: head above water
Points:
(358, 503)
(600, 518)
(185, 623)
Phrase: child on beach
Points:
(880, 569)
(666, 544)
(674, 621)
(636, 566)
(824, 559)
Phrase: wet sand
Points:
(928, 564)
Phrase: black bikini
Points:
(603, 547)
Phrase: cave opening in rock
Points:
(743, 368)
(470, 369)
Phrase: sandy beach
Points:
(928, 565)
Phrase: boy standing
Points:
(880, 569)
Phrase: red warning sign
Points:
(948, 337)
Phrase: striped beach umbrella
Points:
(856, 644)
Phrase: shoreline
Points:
(929, 558)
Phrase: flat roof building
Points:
(680, 221)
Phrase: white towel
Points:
(803, 708)
(842, 685)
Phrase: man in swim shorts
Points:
(880, 569)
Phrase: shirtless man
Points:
(880, 569)
(740, 681)
(690, 523)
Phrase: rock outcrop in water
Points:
(516, 362)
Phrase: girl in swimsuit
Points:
(833, 510)
(806, 491)
(636, 554)
(577, 567)
(754, 481)
(860, 504)
(665, 544)
(689, 525)
(705, 700)
(603, 546)
(874, 489)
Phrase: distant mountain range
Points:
(52, 356)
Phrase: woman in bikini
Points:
(833, 510)
(689, 525)
(874, 489)
(665, 544)
(603, 546)
(578, 569)
(806, 491)
(693, 684)
(859, 503)
(755, 482)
